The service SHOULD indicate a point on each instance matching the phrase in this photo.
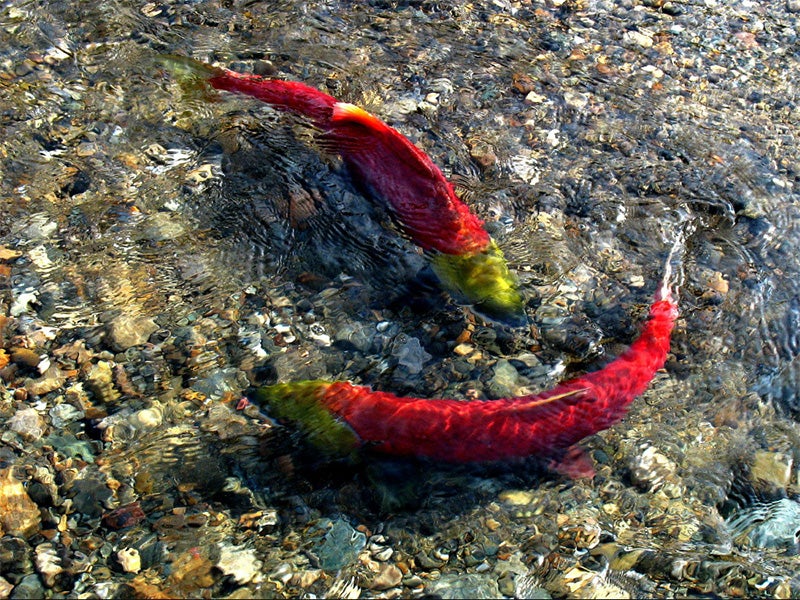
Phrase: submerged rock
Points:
(19, 515)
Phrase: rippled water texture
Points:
(163, 250)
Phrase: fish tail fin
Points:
(302, 403)
(292, 96)
(192, 75)
(485, 281)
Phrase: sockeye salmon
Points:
(462, 254)
(342, 416)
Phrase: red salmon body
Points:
(423, 201)
(466, 431)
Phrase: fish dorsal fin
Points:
(344, 111)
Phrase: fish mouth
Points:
(484, 281)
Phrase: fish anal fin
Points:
(574, 463)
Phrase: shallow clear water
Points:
(589, 135)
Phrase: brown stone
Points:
(389, 576)
(19, 515)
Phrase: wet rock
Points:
(637, 38)
(63, 414)
(48, 563)
(516, 497)
(504, 381)
(25, 357)
(241, 563)
(129, 560)
(219, 382)
(100, 381)
(5, 588)
(71, 447)
(23, 304)
(191, 571)
(411, 355)
(28, 423)
(89, 496)
(470, 585)
(19, 515)
(126, 331)
(30, 588)
(388, 576)
(768, 524)
(353, 337)
(124, 516)
(339, 546)
(650, 469)
(15, 557)
(772, 467)
(52, 379)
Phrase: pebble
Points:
(28, 423)
(29, 588)
(48, 563)
(637, 38)
(773, 467)
(19, 515)
(124, 516)
(468, 585)
(5, 587)
(388, 576)
(516, 497)
(240, 562)
(412, 355)
(126, 331)
(100, 381)
(129, 560)
(340, 546)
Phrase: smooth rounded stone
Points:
(52, 379)
(516, 497)
(650, 469)
(129, 560)
(147, 418)
(411, 355)
(768, 524)
(25, 357)
(70, 446)
(48, 563)
(388, 576)
(162, 226)
(15, 557)
(637, 38)
(19, 515)
(505, 379)
(219, 382)
(5, 587)
(63, 414)
(353, 337)
(239, 562)
(23, 303)
(30, 588)
(772, 467)
(339, 546)
(100, 382)
(793, 6)
(470, 585)
(125, 331)
(28, 423)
